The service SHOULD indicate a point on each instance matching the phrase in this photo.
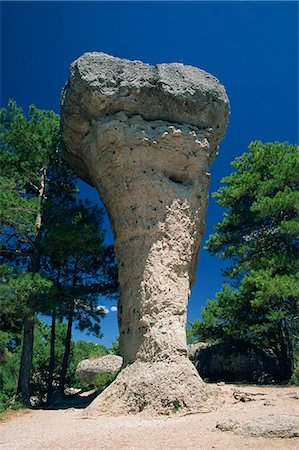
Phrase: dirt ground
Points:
(68, 427)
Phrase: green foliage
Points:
(9, 369)
(176, 406)
(54, 259)
(82, 350)
(10, 361)
(261, 198)
(258, 235)
(79, 351)
(295, 376)
(9, 366)
(16, 287)
(74, 259)
(115, 348)
(41, 354)
(34, 137)
(103, 380)
(27, 147)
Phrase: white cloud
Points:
(113, 308)
(102, 309)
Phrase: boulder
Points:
(237, 361)
(271, 426)
(194, 348)
(88, 369)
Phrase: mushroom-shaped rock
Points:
(88, 369)
(146, 137)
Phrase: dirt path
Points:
(68, 429)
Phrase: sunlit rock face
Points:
(146, 137)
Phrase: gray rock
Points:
(237, 361)
(272, 426)
(100, 85)
(195, 348)
(88, 369)
(146, 137)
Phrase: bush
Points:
(103, 380)
(9, 370)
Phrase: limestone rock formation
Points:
(88, 369)
(146, 137)
(237, 361)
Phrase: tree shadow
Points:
(79, 400)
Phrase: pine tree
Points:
(52, 243)
(27, 146)
(83, 266)
(258, 235)
(52, 240)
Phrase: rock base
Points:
(155, 388)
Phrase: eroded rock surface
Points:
(146, 137)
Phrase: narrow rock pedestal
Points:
(146, 137)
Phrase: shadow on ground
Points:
(79, 400)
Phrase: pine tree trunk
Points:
(52, 357)
(26, 360)
(285, 354)
(66, 355)
(52, 346)
(23, 388)
(289, 346)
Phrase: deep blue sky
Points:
(252, 47)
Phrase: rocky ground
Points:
(250, 417)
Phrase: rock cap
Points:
(101, 85)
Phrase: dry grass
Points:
(13, 414)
